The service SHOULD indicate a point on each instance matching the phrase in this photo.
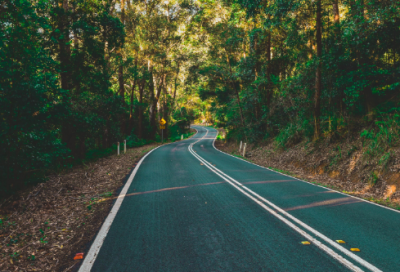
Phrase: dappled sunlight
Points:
(268, 181)
(308, 195)
(169, 189)
(327, 203)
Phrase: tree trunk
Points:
(165, 115)
(239, 104)
(154, 101)
(67, 131)
(269, 85)
(140, 109)
(166, 110)
(131, 106)
(121, 74)
(175, 85)
(318, 83)
(336, 15)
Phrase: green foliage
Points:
(57, 104)
(373, 179)
(383, 135)
(257, 96)
(288, 136)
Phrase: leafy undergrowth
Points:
(348, 166)
(42, 229)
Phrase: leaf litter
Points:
(43, 228)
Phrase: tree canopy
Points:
(78, 76)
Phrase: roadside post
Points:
(240, 146)
(118, 148)
(244, 150)
(182, 137)
(162, 127)
(124, 146)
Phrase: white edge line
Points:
(326, 188)
(90, 258)
(329, 241)
(329, 251)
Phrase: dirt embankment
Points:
(43, 228)
(345, 167)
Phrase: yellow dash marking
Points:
(341, 241)
(354, 249)
(305, 242)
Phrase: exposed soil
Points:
(341, 166)
(43, 228)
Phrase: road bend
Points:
(190, 207)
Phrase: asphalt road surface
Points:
(190, 207)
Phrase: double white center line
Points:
(286, 217)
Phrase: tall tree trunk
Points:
(120, 69)
(175, 85)
(140, 108)
(165, 115)
(336, 15)
(121, 74)
(105, 136)
(336, 18)
(257, 72)
(239, 104)
(131, 106)
(153, 103)
(236, 90)
(67, 131)
(155, 100)
(318, 82)
(269, 85)
(166, 110)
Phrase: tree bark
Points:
(336, 15)
(318, 80)
(167, 109)
(269, 85)
(140, 108)
(67, 131)
(131, 106)
(154, 101)
(121, 80)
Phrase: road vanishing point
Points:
(190, 207)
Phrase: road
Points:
(191, 207)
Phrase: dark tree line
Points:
(74, 81)
(291, 70)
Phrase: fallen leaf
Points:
(78, 256)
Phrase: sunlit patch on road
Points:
(268, 181)
(327, 203)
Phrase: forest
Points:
(78, 76)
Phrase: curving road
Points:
(190, 207)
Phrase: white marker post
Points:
(182, 137)
(118, 148)
(124, 146)
(244, 150)
(240, 146)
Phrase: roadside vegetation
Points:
(78, 76)
(43, 227)
(312, 83)
(310, 86)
